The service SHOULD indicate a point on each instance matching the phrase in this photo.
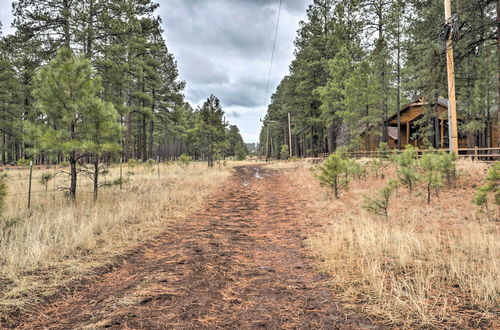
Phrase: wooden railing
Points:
(482, 154)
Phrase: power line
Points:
(187, 85)
(274, 49)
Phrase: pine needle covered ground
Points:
(56, 242)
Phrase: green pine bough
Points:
(490, 189)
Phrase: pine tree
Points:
(10, 107)
(211, 127)
(79, 124)
(235, 142)
(432, 174)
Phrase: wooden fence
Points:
(480, 154)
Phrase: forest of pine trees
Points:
(358, 61)
(124, 99)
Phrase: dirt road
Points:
(239, 263)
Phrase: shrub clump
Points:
(23, 162)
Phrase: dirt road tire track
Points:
(239, 263)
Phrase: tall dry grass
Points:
(434, 265)
(57, 241)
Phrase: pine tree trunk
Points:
(4, 149)
(72, 163)
(336, 187)
(151, 139)
(73, 174)
(398, 96)
(90, 30)
(128, 137)
(96, 177)
(144, 139)
(66, 17)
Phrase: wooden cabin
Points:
(411, 117)
(370, 139)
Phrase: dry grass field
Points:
(57, 242)
(428, 265)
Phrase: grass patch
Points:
(57, 242)
(427, 265)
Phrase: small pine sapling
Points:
(132, 162)
(432, 174)
(383, 151)
(332, 172)
(348, 170)
(284, 152)
(343, 152)
(357, 170)
(407, 167)
(218, 159)
(45, 180)
(150, 163)
(448, 167)
(393, 157)
(492, 187)
(118, 181)
(184, 160)
(23, 162)
(380, 206)
(376, 166)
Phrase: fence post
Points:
(475, 154)
(29, 185)
(158, 161)
(121, 172)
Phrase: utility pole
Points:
(267, 143)
(452, 120)
(266, 122)
(29, 184)
(498, 52)
(398, 102)
(290, 135)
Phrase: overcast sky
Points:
(223, 47)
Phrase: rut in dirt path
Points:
(239, 263)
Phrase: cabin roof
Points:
(406, 115)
